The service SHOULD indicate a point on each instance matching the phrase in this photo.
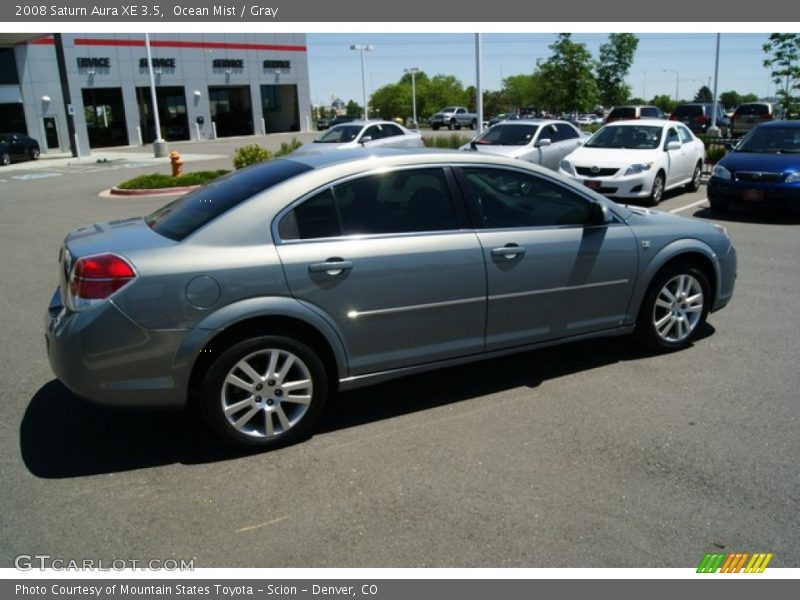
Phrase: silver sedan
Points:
(540, 141)
(261, 294)
(366, 134)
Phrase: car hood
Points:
(511, 151)
(610, 157)
(755, 161)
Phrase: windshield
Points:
(635, 137)
(772, 140)
(507, 135)
(340, 134)
(448, 109)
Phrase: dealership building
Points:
(207, 85)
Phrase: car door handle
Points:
(332, 266)
(509, 251)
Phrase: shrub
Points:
(250, 155)
(715, 153)
(155, 181)
(288, 147)
(454, 140)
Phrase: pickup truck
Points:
(454, 117)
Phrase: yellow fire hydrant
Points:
(177, 163)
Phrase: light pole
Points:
(677, 81)
(413, 71)
(159, 145)
(362, 48)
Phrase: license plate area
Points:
(593, 184)
(753, 195)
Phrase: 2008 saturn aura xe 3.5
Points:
(261, 294)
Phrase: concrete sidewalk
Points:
(117, 156)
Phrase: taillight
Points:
(701, 118)
(766, 116)
(95, 278)
(673, 117)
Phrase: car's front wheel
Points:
(5, 159)
(657, 191)
(264, 392)
(694, 184)
(674, 309)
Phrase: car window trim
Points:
(462, 221)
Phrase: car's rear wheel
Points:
(435, 127)
(264, 392)
(694, 184)
(451, 125)
(657, 190)
(34, 154)
(674, 309)
(5, 159)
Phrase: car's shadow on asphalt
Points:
(762, 215)
(62, 436)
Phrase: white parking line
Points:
(688, 206)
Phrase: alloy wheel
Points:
(678, 308)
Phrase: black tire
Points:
(435, 127)
(451, 125)
(274, 419)
(5, 159)
(474, 124)
(679, 323)
(658, 190)
(34, 154)
(718, 206)
(694, 184)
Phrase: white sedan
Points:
(638, 160)
(540, 141)
(367, 134)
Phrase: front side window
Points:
(414, 200)
(510, 199)
(685, 135)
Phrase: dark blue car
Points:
(764, 168)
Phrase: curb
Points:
(115, 191)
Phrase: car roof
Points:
(780, 123)
(370, 122)
(645, 121)
(530, 122)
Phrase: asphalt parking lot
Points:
(594, 454)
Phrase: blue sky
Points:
(335, 70)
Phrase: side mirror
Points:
(673, 145)
(366, 138)
(473, 145)
(600, 214)
(731, 144)
(543, 142)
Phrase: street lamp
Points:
(159, 145)
(413, 71)
(362, 48)
(677, 81)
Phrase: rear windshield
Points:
(688, 110)
(752, 109)
(507, 135)
(624, 112)
(182, 217)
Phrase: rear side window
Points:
(396, 202)
(182, 217)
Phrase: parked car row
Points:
(17, 146)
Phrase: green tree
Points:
(438, 92)
(616, 58)
(730, 99)
(354, 109)
(520, 90)
(566, 78)
(783, 52)
(665, 102)
(704, 95)
(495, 102)
(393, 100)
(749, 98)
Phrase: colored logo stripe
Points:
(734, 562)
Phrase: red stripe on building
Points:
(45, 41)
(185, 44)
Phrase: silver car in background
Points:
(261, 294)
(539, 141)
(366, 134)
